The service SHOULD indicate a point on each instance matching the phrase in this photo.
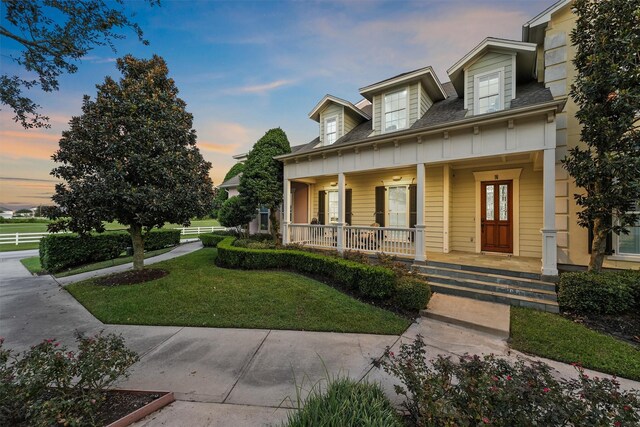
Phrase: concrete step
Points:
(485, 270)
(496, 297)
(483, 316)
(472, 283)
(487, 277)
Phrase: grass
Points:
(20, 247)
(554, 337)
(197, 293)
(33, 264)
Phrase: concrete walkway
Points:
(223, 377)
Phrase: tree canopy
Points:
(131, 157)
(261, 181)
(234, 213)
(606, 166)
(54, 36)
(221, 194)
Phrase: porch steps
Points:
(490, 284)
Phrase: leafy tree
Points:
(131, 157)
(261, 181)
(607, 92)
(221, 193)
(54, 35)
(234, 213)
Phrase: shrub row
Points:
(210, 240)
(60, 251)
(599, 293)
(368, 281)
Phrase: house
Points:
(260, 224)
(453, 168)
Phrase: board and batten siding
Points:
(330, 111)
(433, 214)
(489, 62)
(463, 199)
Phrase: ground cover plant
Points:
(476, 390)
(52, 385)
(197, 293)
(558, 338)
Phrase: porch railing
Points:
(392, 241)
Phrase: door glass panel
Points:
(489, 214)
(397, 206)
(504, 202)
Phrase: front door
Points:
(497, 224)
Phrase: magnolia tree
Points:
(607, 91)
(131, 157)
(261, 181)
(221, 194)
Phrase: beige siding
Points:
(531, 212)
(414, 111)
(489, 62)
(463, 205)
(331, 110)
(434, 187)
(377, 114)
(349, 122)
(425, 101)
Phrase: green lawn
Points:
(197, 293)
(554, 337)
(33, 264)
(20, 247)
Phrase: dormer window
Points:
(489, 92)
(330, 130)
(395, 110)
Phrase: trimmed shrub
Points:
(369, 281)
(211, 240)
(488, 390)
(411, 294)
(596, 293)
(345, 403)
(159, 239)
(60, 251)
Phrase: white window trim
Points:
(259, 222)
(476, 92)
(388, 211)
(621, 256)
(324, 135)
(326, 204)
(383, 112)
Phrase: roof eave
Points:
(367, 91)
(315, 113)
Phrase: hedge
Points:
(61, 251)
(210, 240)
(598, 293)
(368, 281)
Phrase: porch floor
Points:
(503, 262)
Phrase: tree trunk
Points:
(273, 218)
(598, 246)
(138, 246)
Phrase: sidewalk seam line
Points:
(245, 368)
(371, 366)
(155, 347)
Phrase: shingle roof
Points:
(448, 110)
(231, 182)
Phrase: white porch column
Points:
(286, 205)
(549, 245)
(341, 212)
(420, 226)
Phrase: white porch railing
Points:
(19, 238)
(319, 236)
(388, 240)
(199, 230)
(392, 241)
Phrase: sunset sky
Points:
(245, 67)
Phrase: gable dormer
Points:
(336, 117)
(487, 76)
(400, 101)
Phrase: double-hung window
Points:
(629, 244)
(395, 110)
(330, 130)
(489, 92)
(263, 219)
(332, 206)
(398, 201)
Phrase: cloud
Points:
(28, 144)
(263, 88)
(98, 59)
(230, 149)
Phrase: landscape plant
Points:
(131, 157)
(488, 390)
(51, 385)
(222, 194)
(589, 293)
(236, 213)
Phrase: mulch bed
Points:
(625, 327)
(122, 403)
(131, 277)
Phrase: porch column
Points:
(420, 226)
(286, 205)
(549, 248)
(341, 212)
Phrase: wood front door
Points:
(497, 216)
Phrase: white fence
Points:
(19, 238)
(199, 230)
